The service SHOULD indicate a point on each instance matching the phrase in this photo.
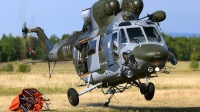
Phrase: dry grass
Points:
(182, 66)
(131, 100)
(177, 91)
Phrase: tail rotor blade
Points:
(32, 22)
(22, 11)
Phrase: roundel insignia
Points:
(158, 52)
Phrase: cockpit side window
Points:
(152, 34)
(123, 38)
(135, 35)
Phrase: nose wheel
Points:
(147, 90)
(150, 91)
(143, 88)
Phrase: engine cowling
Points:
(103, 9)
(134, 6)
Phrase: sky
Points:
(65, 16)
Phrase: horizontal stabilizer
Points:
(35, 61)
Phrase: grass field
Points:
(177, 91)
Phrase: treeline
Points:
(17, 48)
(184, 48)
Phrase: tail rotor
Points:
(24, 31)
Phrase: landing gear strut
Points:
(106, 103)
(116, 89)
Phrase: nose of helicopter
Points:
(151, 53)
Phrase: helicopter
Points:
(114, 50)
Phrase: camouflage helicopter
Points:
(114, 49)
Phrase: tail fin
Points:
(44, 41)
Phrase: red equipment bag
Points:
(29, 99)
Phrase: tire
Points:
(73, 97)
(150, 91)
(143, 88)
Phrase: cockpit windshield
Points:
(152, 34)
(135, 35)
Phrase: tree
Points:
(193, 58)
(64, 36)
(54, 39)
(73, 33)
(22, 48)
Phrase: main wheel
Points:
(150, 91)
(73, 97)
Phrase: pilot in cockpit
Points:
(123, 38)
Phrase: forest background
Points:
(17, 48)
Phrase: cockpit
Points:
(138, 33)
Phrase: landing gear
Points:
(116, 89)
(147, 89)
(106, 103)
(150, 91)
(73, 96)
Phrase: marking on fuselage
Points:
(51, 55)
(157, 57)
(66, 50)
(43, 46)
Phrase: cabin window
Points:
(135, 35)
(114, 42)
(123, 38)
(91, 48)
(115, 46)
(152, 34)
(101, 44)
